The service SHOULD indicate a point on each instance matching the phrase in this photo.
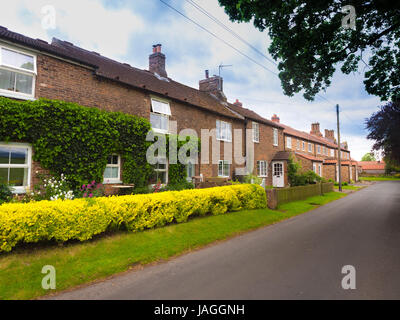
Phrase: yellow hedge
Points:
(81, 219)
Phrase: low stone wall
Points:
(279, 196)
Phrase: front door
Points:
(278, 179)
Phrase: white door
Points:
(278, 179)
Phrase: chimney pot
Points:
(275, 118)
(207, 74)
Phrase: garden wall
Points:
(283, 195)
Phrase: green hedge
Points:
(75, 140)
(81, 219)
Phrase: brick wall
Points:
(61, 80)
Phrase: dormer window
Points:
(159, 117)
(17, 73)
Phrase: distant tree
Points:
(309, 41)
(384, 128)
(368, 157)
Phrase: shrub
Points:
(5, 193)
(75, 140)
(81, 219)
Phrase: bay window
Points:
(17, 73)
(15, 166)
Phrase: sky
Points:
(125, 30)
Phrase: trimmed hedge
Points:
(81, 219)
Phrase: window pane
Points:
(19, 156)
(7, 80)
(111, 173)
(18, 177)
(4, 155)
(18, 60)
(4, 175)
(24, 83)
(155, 120)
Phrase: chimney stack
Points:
(275, 118)
(238, 103)
(157, 61)
(213, 85)
(315, 129)
(330, 135)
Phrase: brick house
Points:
(32, 69)
(367, 168)
(270, 160)
(319, 153)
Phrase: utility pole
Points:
(339, 150)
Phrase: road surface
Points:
(300, 258)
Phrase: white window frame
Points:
(256, 132)
(113, 180)
(262, 168)
(318, 149)
(223, 136)
(304, 145)
(309, 147)
(223, 174)
(190, 163)
(320, 169)
(21, 189)
(163, 170)
(275, 140)
(289, 142)
(332, 153)
(298, 144)
(166, 114)
(33, 73)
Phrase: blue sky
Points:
(126, 30)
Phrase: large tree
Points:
(368, 157)
(384, 128)
(310, 42)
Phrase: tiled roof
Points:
(307, 136)
(250, 114)
(124, 73)
(282, 155)
(372, 165)
(309, 157)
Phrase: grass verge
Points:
(78, 263)
(348, 187)
(383, 178)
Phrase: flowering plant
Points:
(157, 187)
(50, 188)
(91, 190)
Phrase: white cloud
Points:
(190, 50)
(87, 24)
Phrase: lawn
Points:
(79, 263)
(380, 178)
(348, 187)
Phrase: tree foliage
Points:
(368, 157)
(384, 128)
(309, 42)
(76, 141)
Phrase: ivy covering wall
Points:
(75, 140)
